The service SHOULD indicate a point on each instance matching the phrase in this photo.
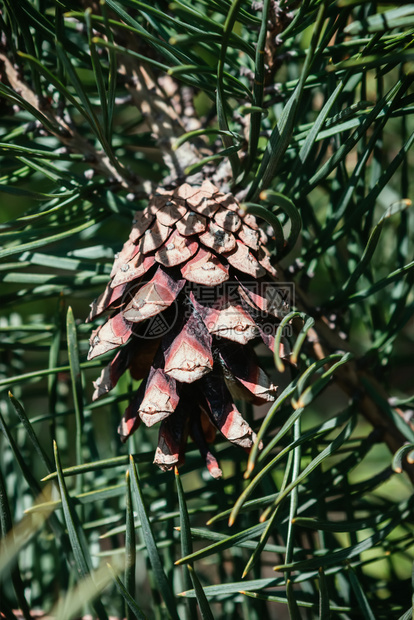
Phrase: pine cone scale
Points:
(134, 268)
(205, 269)
(176, 250)
(160, 399)
(218, 239)
(153, 297)
(192, 223)
(189, 356)
(224, 413)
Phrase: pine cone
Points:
(191, 292)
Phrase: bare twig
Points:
(353, 381)
(161, 118)
(66, 133)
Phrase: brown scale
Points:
(142, 221)
(160, 399)
(176, 250)
(133, 269)
(229, 220)
(249, 237)
(218, 239)
(227, 319)
(153, 237)
(191, 223)
(205, 269)
(171, 212)
(242, 259)
(203, 204)
(188, 357)
(153, 297)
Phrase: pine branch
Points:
(161, 117)
(63, 128)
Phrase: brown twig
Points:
(65, 132)
(353, 381)
(159, 115)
